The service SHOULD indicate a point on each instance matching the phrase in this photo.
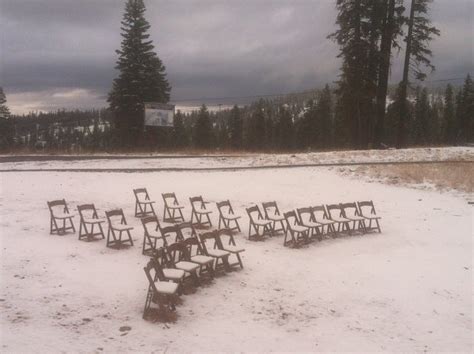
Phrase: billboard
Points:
(159, 114)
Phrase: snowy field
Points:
(409, 288)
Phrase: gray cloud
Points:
(210, 48)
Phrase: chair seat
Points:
(298, 228)
(174, 206)
(275, 217)
(93, 221)
(202, 260)
(166, 287)
(228, 216)
(154, 234)
(121, 227)
(372, 217)
(187, 266)
(146, 201)
(173, 274)
(234, 249)
(217, 253)
(311, 224)
(340, 219)
(202, 211)
(356, 218)
(262, 222)
(63, 215)
(325, 222)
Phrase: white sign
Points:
(159, 114)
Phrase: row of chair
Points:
(309, 223)
(90, 225)
(173, 210)
(181, 256)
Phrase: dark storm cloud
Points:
(58, 50)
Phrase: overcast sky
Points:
(61, 53)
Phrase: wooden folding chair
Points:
(225, 241)
(58, 216)
(179, 258)
(152, 236)
(336, 214)
(143, 204)
(171, 234)
(88, 220)
(295, 234)
(351, 212)
(199, 212)
(307, 219)
(117, 228)
(227, 216)
(367, 210)
(197, 255)
(160, 291)
(173, 210)
(209, 244)
(258, 224)
(273, 214)
(185, 230)
(321, 217)
(170, 273)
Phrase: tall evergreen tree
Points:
(324, 112)
(259, 125)
(141, 77)
(203, 129)
(417, 55)
(6, 127)
(236, 127)
(286, 129)
(449, 116)
(466, 111)
(180, 137)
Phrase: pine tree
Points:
(449, 116)
(203, 129)
(4, 111)
(422, 116)
(417, 55)
(258, 118)
(286, 129)
(180, 137)
(141, 77)
(6, 126)
(236, 127)
(466, 111)
(324, 113)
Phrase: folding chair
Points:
(213, 251)
(351, 212)
(197, 255)
(172, 212)
(272, 213)
(320, 216)
(179, 259)
(171, 233)
(307, 219)
(161, 292)
(336, 214)
(227, 216)
(185, 230)
(367, 210)
(118, 227)
(60, 216)
(172, 274)
(225, 241)
(143, 204)
(199, 212)
(88, 217)
(258, 224)
(295, 233)
(152, 237)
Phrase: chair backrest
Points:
(254, 210)
(193, 246)
(55, 203)
(305, 214)
(111, 214)
(197, 199)
(337, 208)
(138, 192)
(151, 224)
(291, 217)
(153, 267)
(171, 196)
(170, 233)
(185, 230)
(366, 207)
(161, 256)
(224, 237)
(225, 204)
(177, 251)
(270, 208)
(211, 237)
(319, 213)
(87, 208)
(349, 209)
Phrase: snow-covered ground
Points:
(409, 288)
(255, 160)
